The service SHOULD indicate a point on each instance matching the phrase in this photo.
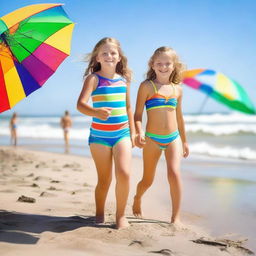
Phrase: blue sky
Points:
(215, 34)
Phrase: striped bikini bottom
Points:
(163, 140)
(109, 141)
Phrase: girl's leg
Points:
(173, 155)
(66, 139)
(15, 137)
(151, 155)
(11, 138)
(102, 156)
(122, 159)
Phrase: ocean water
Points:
(230, 136)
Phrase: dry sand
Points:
(61, 220)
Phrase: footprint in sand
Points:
(34, 185)
(51, 188)
(78, 191)
(54, 189)
(73, 165)
(137, 242)
(42, 164)
(163, 252)
(47, 194)
(55, 181)
(42, 178)
(26, 199)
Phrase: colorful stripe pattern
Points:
(110, 93)
(34, 41)
(160, 101)
(163, 140)
(220, 88)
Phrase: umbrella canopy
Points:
(34, 40)
(220, 87)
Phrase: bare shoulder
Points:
(144, 89)
(179, 89)
(145, 83)
(145, 86)
(91, 79)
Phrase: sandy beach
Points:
(59, 217)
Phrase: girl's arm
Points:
(140, 103)
(90, 85)
(181, 125)
(130, 115)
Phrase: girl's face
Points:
(163, 65)
(108, 55)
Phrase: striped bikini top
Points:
(110, 93)
(161, 101)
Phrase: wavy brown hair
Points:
(121, 67)
(176, 75)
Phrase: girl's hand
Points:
(140, 140)
(103, 113)
(185, 149)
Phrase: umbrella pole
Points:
(203, 104)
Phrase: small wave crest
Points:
(45, 132)
(219, 118)
(204, 148)
(221, 129)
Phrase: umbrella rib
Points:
(31, 54)
(30, 37)
(18, 43)
(24, 35)
(7, 46)
(67, 24)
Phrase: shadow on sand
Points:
(21, 228)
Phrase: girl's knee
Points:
(104, 184)
(147, 182)
(173, 172)
(123, 174)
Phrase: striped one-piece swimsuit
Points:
(110, 93)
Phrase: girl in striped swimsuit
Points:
(112, 130)
(165, 130)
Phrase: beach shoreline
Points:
(62, 216)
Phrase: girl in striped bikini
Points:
(112, 130)
(165, 130)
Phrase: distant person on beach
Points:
(165, 129)
(112, 133)
(66, 124)
(13, 129)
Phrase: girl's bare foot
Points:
(122, 222)
(136, 208)
(175, 220)
(177, 225)
(99, 219)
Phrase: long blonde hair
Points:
(121, 67)
(176, 75)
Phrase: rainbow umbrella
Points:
(34, 40)
(219, 87)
